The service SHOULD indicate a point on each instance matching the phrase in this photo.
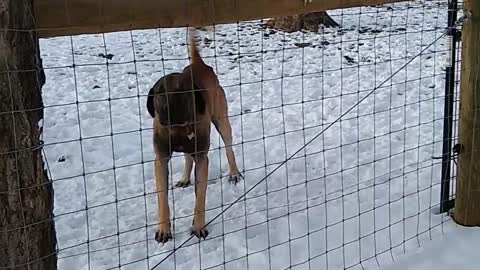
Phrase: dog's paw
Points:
(163, 235)
(235, 178)
(199, 232)
(183, 183)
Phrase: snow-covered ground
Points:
(363, 192)
(457, 250)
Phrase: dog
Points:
(183, 105)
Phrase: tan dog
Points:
(183, 105)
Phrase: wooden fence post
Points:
(74, 17)
(27, 234)
(467, 200)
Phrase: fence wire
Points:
(338, 134)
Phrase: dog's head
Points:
(176, 99)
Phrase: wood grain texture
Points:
(27, 234)
(71, 17)
(467, 201)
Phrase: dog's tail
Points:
(193, 50)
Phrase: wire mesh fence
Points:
(338, 135)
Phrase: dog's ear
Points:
(150, 103)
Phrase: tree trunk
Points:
(310, 22)
(27, 233)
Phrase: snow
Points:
(457, 250)
(363, 193)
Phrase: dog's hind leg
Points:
(224, 128)
(201, 178)
(187, 171)
(163, 234)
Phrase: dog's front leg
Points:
(201, 178)
(163, 234)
